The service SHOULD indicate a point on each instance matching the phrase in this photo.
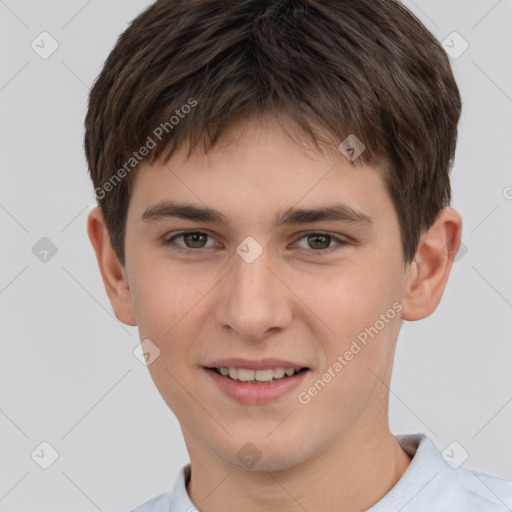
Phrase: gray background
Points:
(68, 375)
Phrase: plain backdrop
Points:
(68, 375)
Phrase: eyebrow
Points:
(188, 211)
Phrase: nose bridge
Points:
(254, 300)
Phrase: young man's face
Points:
(329, 301)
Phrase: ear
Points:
(112, 272)
(428, 273)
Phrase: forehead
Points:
(257, 169)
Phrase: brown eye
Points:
(319, 241)
(195, 240)
(192, 241)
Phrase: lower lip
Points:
(259, 393)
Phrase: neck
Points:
(351, 475)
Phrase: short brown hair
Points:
(366, 67)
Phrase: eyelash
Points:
(316, 252)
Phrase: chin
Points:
(253, 458)
(271, 464)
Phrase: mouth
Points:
(256, 381)
(256, 386)
(261, 376)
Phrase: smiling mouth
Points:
(249, 376)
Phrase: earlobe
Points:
(429, 272)
(112, 272)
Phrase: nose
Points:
(254, 300)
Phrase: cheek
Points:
(167, 299)
(348, 300)
(163, 297)
(352, 377)
(361, 311)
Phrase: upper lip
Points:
(260, 364)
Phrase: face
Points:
(254, 285)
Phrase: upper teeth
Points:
(245, 374)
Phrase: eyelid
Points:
(320, 232)
(333, 237)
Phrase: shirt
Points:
(433, 482)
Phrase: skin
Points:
(336, 452)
